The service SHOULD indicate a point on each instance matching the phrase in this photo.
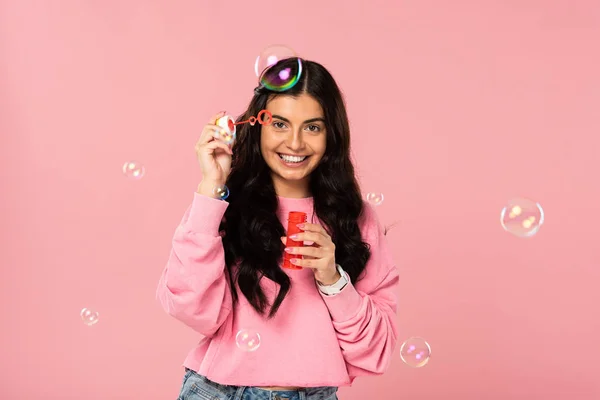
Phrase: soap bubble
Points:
(283, 75)
(221, 192)
(134, 170)
(522, 217)
(89, 317)
(271, 56)
(375, 198)
(247, 340)
(415, 352)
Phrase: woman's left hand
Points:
(320, 256)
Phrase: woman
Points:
(320, 326)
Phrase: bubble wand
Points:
(259, 118)
(228, 124)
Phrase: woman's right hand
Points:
(213, 155)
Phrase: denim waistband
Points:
(197, 387)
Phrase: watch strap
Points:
(336, 287)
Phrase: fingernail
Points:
(301, 226)
(288, 250)
(294, 261)
(294, 237)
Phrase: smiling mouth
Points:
(292, 159)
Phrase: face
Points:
(294, 143)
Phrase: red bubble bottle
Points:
(294, 218)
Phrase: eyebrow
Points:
(305, 122)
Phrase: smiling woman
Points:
(294, 143)
(318, 327)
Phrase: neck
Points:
(291, 189)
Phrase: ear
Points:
(284, 240)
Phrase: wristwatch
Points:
(336, 287)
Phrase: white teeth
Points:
(294, 159)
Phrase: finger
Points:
(306, 243)
(219, 145)
(314, 228)
(212, 146)
(210, 133)
(317, 238)
(316, 252)
(215, 117)
(314, 263)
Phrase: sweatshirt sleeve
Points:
(194, 287)
(364, 314)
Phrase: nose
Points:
(296, 141)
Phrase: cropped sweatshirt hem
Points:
(190, 364)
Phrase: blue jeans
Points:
(198, 387)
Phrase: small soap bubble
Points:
(522, 217)
(221, 192)
(271, 56)
(415, 352)
(134, 170)
(375, 198)
(247, 340)
(89, 317)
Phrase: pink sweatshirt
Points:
(313, 340)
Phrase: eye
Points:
(278, 125)
(313, 128)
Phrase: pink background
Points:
(456, 107)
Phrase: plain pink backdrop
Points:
(455, 106)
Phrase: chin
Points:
(293, 177)
(293, 173)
